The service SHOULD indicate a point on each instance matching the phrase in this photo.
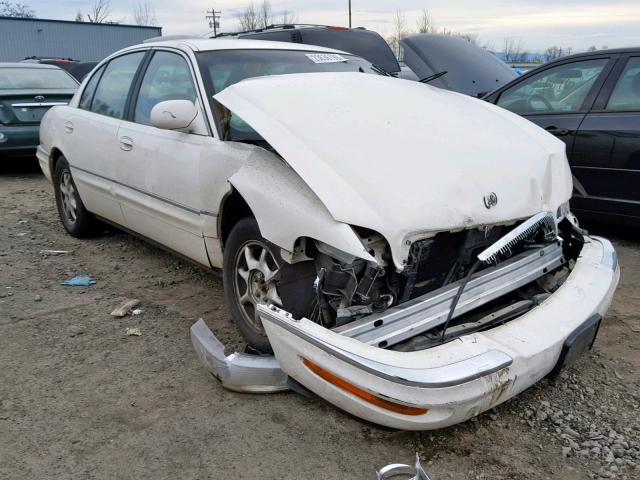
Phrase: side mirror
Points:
(173, 114)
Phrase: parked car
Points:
(27, 91)
(358, 41)
(470, 69)
(409, 278)
(591, 101)
(459, 65)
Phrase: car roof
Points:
(27, 65)
(609, 51)
(286, 27)
(211, 44)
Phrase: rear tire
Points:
(75, 218)
(249, 264)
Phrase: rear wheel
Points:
(250, 266)
(76, 219)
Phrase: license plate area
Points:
(577, 344)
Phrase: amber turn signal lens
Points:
(360, 393)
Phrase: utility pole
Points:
(349, 13)
(214, 20)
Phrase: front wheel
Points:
(249, 267)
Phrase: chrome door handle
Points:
(126, 143)
(68, 127)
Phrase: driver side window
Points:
(560, 89)
(167, 78)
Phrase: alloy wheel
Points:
(69, 197)
(254, 272)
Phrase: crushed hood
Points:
(403, 158)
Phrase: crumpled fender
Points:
(286, 209)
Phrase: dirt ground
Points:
(81, 399)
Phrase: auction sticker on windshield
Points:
(325, 57)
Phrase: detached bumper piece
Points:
(239, 372)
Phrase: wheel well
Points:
(55, 156)
(232, 211)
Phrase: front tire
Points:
(75, 218)
(249, 265)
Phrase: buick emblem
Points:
(490, 200)
(39, 98)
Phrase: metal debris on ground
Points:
(401, 470)
(134, 332)
(80, 281)
(54, 252)
(125, 308)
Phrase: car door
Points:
(158, 170)
(557, 98)
(606, 158)
(91, 134)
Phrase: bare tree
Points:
(592, 48)
(18, 10)
(514, 50)
(399, 31)
(424, 24)
(554, 52)
(248, 18)
(144, 14)
(265, 16)
(100, 11)
(288, 17)
(79, 17)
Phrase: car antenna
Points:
(433, 77)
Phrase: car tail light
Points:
(363, 394)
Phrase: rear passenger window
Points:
(111, 94)
(626, 94)
(168, 77)
(89, 90)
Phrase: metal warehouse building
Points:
(87, 42)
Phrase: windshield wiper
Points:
(380, 70)
(432, 77)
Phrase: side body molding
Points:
(286, 209)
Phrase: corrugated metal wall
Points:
(87, 42)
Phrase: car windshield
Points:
(35, 78)
(222, 69)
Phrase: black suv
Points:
(358, 41)
(591, 101)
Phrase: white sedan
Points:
(406, 253)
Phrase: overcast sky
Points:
(538, 23)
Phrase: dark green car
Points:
(27, 91)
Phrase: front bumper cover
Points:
(460, 379)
